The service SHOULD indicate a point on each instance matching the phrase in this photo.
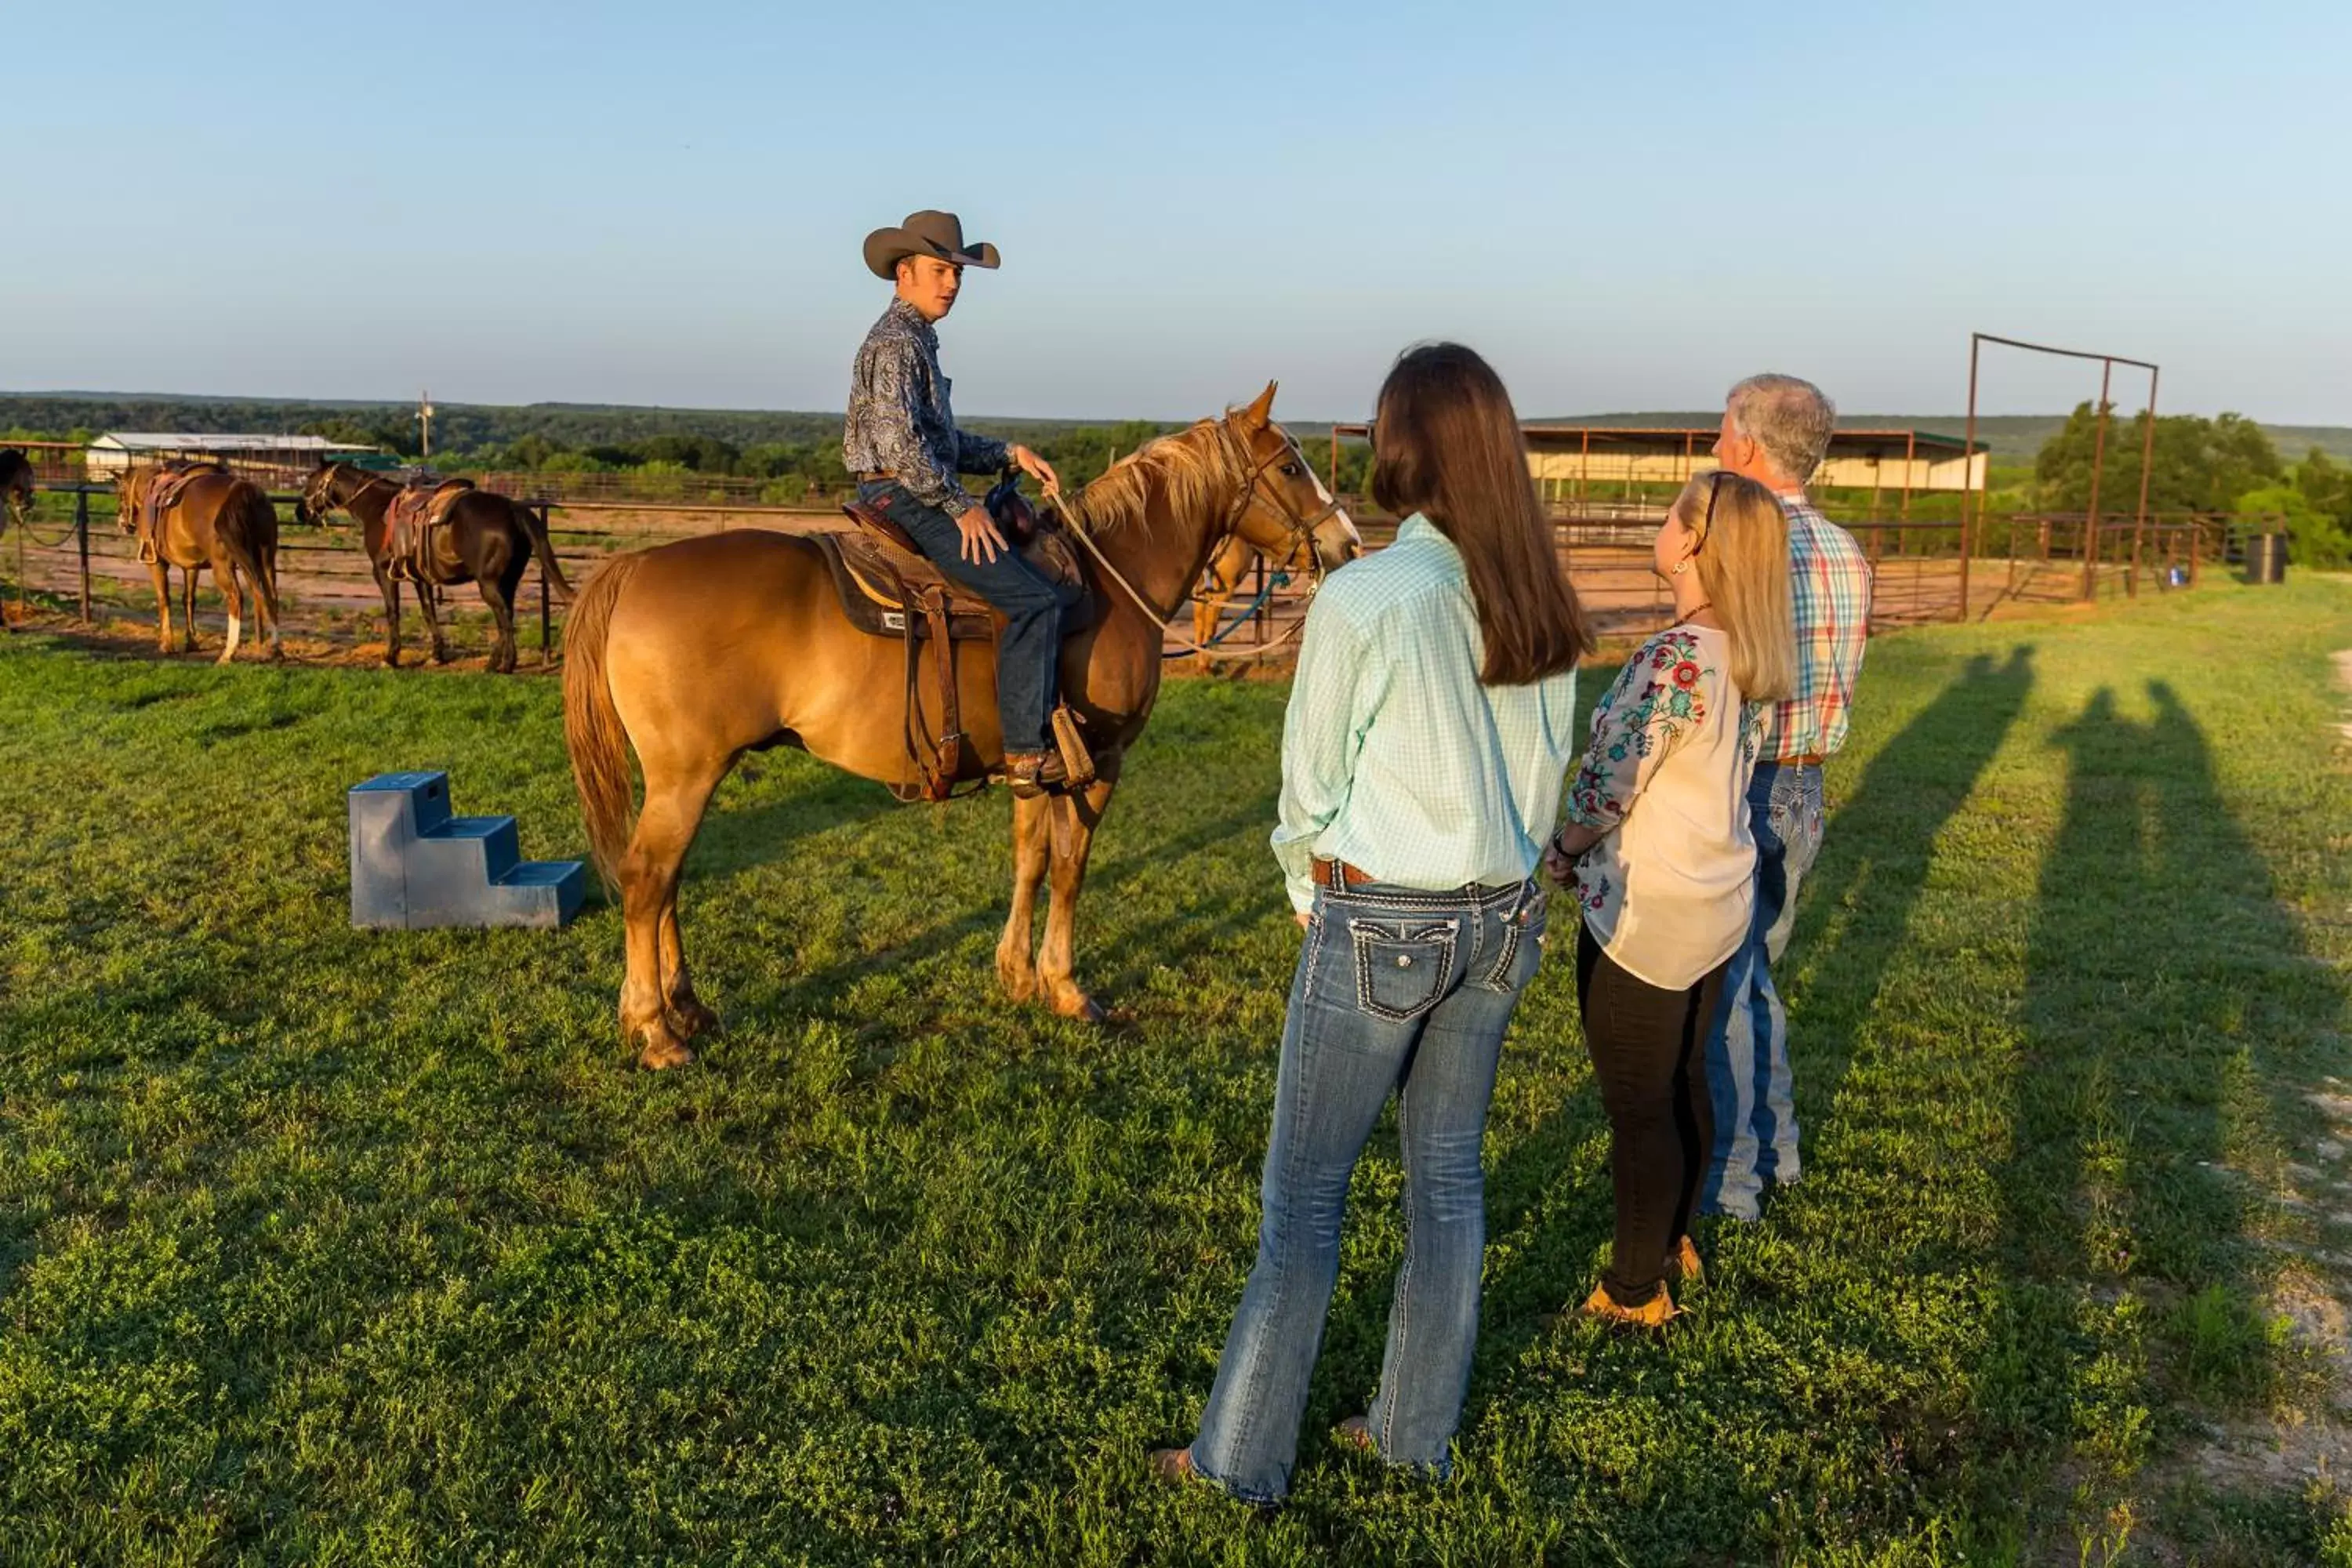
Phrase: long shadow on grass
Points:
(1874, 864)
(2169, 1000)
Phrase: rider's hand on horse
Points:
(1036, 468)
(981, 540)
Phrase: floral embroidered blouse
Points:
(1668, 890)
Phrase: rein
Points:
(1301, 530)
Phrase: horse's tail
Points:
(592, 732)
(545, 551)
(248, 526)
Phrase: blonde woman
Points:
(1657, 843)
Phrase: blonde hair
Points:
(1743, 565)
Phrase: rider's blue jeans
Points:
(1396, 991)
(1030, 650)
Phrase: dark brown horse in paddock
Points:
(208, 518)
(485, 539)
(695, 652)
(15, 499)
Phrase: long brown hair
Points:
(1743, 565)
(1446, 443)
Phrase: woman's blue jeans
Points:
(1398, 990)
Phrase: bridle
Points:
(1298, 528)
(328, 500)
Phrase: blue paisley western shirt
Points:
(899, 418)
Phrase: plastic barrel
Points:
(2266, 558)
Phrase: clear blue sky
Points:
(1625, 206)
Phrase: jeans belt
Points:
(1340, 874)
(872, 475)
(1810, 759)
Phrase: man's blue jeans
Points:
(1394, 990)
(1748, 1051)
(1029, 652)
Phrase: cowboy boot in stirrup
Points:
(1033, 773)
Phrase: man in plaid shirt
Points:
(1776, 429)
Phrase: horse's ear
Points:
(1261, 413)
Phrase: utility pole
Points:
(424, 421)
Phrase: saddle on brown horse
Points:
(888, 587)
(422, 506)
(155, 493)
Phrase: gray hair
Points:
(1791, 419)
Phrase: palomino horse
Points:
(487, 539)
(15, 499)
(1222, 580)
(698, 651)
(215, 520)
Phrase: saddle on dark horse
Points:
(421, 507)
(889, 588)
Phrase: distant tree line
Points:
(2227, 463)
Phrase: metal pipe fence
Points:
(75, 549)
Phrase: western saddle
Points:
(154, 492)
(889, 588)
(422, 506)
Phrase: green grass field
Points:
(324, 1247)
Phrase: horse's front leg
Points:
(1016, 964)
(1057, 962)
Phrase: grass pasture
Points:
(324, 1247)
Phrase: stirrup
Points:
(1031, 773)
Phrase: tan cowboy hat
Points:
(924, 234)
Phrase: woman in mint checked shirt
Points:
(1430, 730)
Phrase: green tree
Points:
(2202, 465)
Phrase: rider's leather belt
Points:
(872, 476)
(1810, 759)
(1340, 874)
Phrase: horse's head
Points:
(318, 497)
(1286, 513)
(129, 484)
(16, 484)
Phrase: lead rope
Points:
(1061, 503)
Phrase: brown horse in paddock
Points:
(15, 499)
(215, 520)
(695, 652)
(487, 539)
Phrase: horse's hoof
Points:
(660, 1056)
(1076, 1003)
(1019, 984)
(690, 1018)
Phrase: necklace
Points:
(1695, 609)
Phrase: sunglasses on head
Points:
(1706, 519)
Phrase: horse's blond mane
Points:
(1190, 467)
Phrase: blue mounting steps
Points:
(415, 866)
